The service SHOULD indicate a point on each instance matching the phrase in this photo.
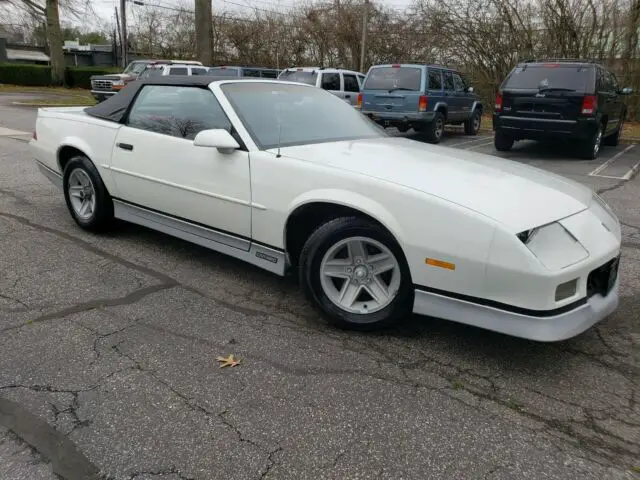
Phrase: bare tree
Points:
(49, 12)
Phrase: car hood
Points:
(111, 76)
(516, 195)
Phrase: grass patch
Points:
(457, 385)
(635, 469)
(631, 130)
(6, 88)
(514, 405)
(77, 100)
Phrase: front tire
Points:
(472, 125)
(355, 274)
(86, 196)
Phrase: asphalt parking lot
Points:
(108, 368)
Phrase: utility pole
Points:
(204, 31)
(363, 44)
(123, 20)
(118, 38)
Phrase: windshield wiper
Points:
(398, 88)
(556, 89)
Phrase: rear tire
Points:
(472, 125)
(614, 139)
(355, 275)
(86, 196)
(435, 128)
(591, 147)
(502, 141)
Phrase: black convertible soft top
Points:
(115, 108)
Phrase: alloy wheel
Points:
(82, 194)
(360, 275)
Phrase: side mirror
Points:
(470, 89)
(216, 138)
(626, 91)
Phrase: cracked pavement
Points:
(108, 369)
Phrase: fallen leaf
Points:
(229, 361)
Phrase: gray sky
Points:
(105, 8)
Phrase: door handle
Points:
(125, 146)
(347, 96)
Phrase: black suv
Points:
(562, 99)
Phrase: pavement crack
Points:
(271, 463)
(635, 227)
(237, 431)
(160, 473)
(18, 198)
(631, 245)
(128, 299)
(66, 460)
(165, 279)
(16, 300)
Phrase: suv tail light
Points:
(359, 105)
(589, 105)
(499, 102)
(422, 103)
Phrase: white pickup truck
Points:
(286, 176)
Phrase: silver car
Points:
(345, 84)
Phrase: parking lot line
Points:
(478, 139)
(610, 161)
(480, 145)
(631, 172)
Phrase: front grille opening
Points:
(601, 280)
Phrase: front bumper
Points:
(552, 328)
(102, 94)
(394, 119)
(540, 128)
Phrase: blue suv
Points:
(422, 97)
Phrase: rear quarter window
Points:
(388, 78)
(309, 78)
(533, 77)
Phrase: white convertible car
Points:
(290, 178)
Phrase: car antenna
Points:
(279, 129)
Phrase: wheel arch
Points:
(442, 108)
(69, 148)
(311, 210)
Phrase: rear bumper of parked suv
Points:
(539, 128)
(394, 119)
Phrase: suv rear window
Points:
(300, 77)
(388, 78)
(223, 71)
(533, 77)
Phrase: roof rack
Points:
(560, 60)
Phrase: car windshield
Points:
(151, 72)
(135, 67)
(390, 78)
(223, 71)
(299, 76)
(552, 76)
(286, 115)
